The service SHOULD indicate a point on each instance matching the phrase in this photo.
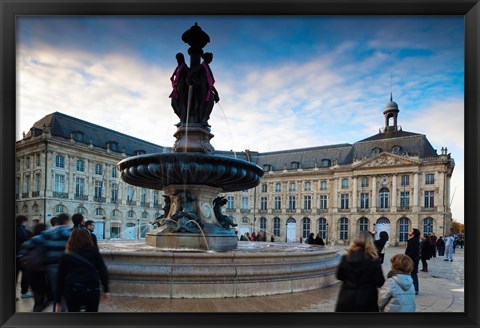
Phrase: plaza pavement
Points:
(441, 290)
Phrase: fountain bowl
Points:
(157, 171)
(252, 269)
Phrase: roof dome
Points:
(391, 105)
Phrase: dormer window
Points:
(140, 152)
(326, 162)
(295, 165)
(376, 151)
(396, 150)
(267, 167)
(113, 145)
(78, 136)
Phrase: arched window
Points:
(363, 224)
(384, 195)
(99, 212)
(131, 214)
(403, 228)
(343, 229)
(276, 227)
(322, 227)
(60, 209)
(81, 210)
(35, 209)
(245, 220)
(376, 151)
(116, 214)
(144, 215)
(306, 227)
(263, 224)
(427, 226)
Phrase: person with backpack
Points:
(22, 234)
(81, 270)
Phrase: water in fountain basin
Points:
(201, 230)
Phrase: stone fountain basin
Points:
(253, 269)
(156, 171)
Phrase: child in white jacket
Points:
(398, 292)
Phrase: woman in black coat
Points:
(425, 252)
(361, 274)
(413, 250)
(80, 272)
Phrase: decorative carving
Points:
(185, 219)
(166, 209)
(225, 221)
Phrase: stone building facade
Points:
(391, 181)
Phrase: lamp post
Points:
(326, 234)
(286, 224)
(138, 228)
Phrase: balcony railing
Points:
(344, 210)
(81, 197)
(244, 210)
(428, 209)
(25, 194)
(277, 211)
(132, 202)
(57, 194)
(145, 204)
(404, 209)
(322, 210)
(156, 205)
(306, 211)
(383, 209)
(262, 211)
(113, 200)
(230, 210)
(291, 210)
(99, 199)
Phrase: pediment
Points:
(383, 160)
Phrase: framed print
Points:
(291, 78)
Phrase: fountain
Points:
(194, 252)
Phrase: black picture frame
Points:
(470, 9)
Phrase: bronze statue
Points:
(200, 79)
(185, 219)
(179, 93)
(225, 221)
(166, 209)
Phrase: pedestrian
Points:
(318, 240)
(39, 279)
(78, 220)
(449, 248)
(398, 292)
(22, 234)
(90, 226)
(441, 246)
(53, 241)
(253, 237)
(81, 269)
(433, 244)
(425, 252)
(361, 274)
(272, 239)
(381, 244)
(311, 238)
(413, 251)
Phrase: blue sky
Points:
(284, 81)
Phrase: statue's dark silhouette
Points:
(179, 93)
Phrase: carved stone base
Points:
(193, 241)
(198, 201)
(194, 138)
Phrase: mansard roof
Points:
(62, 125)
(397, 142)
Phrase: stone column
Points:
(374, 193)
(394, 193)
(354, 195)
(415, 189)
(335, 194)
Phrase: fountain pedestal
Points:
(195, 199)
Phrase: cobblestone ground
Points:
(441, 290)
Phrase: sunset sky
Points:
(284, 81)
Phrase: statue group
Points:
(194, 94)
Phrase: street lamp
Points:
(286, 223)
(138, 228)
(326, 235)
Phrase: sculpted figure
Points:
(179, 93)
(185, 217)
(201, 79)
(225, 221)
(166, 209)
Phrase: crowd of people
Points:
(259, 236)
(61, 264)
(364, 287)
